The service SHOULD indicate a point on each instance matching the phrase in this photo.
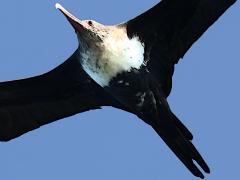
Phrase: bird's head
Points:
(90, 33)
(105, 46)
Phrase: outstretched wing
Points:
(170, 28)
(29, 103)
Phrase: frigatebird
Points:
(127, 66)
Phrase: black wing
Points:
(29, 103)
(170, 28)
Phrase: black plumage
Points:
(167, 31)
(170, 28)
(30, 103)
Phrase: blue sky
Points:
(109, 143)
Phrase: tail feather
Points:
(174, 133)
(184, 130)
(178, 137)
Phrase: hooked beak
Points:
(75, 22)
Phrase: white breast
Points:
(119, 54)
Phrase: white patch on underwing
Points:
(115, 54)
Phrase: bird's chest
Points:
(115, 57)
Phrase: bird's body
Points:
(128, 66)
(113, 55)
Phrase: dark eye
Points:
(90, 23)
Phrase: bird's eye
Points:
(90, 23)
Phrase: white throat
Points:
(117, 54)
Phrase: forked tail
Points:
(176, 135)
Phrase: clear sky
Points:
(110, 144)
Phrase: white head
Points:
(105, 51)
(90, 33)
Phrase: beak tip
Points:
(75, 22)
(58, 6)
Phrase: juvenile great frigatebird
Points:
(128, 66)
